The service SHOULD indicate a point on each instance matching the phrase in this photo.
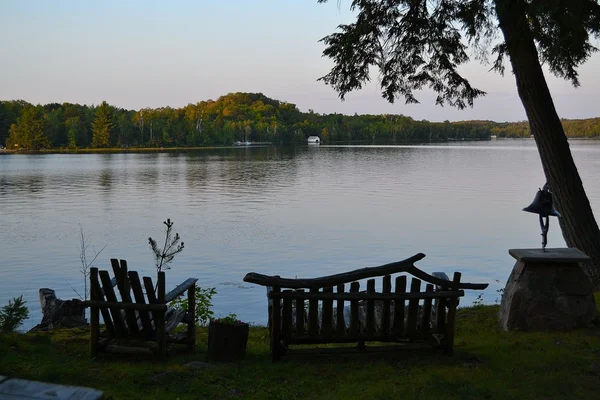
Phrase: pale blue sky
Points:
(148, 53)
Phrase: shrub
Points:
(13, 315)
(204, 311)
(230, 318)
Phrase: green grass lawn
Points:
(488, 364)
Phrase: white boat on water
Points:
(314, 140)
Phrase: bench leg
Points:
(191, 328)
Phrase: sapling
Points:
(170, 248)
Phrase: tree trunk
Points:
(577, 221)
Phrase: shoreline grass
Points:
(488, 364)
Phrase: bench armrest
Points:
(179, 290)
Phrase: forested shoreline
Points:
(233, 117)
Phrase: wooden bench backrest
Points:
(291, 296)
(405, 311)
(134, 317)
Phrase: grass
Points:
(488, 364)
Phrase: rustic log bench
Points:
(302, 311)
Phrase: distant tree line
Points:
(233, 117)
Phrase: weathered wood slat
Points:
(286, 318)
(300, 315)
(174, 320)
(327, 314)
(363, 273)
(313, 312)
(191, 314)
(180, 289)
(136, 288)
(385, 310)
(340, 329)
(426, 315)
(400, 290)
(96, 293)
(120, 271)
(371, 296)
(354, 318)
(336, 279)
(370, 329)
(113, 282)
(413, 309)
(151, 295)
(94, 314)
(440, 313)
(453, 304)
(117, 317)
(160, 322)
(276, 324)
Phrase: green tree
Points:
(73, 126)
(102, 126)
(9, 112)
(419, 43)
(12, 141)
(28, 133)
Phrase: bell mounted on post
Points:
(542, 205)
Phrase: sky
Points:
(150, 53)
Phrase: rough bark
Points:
(59, 313)
(577, 220)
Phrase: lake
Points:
(295, 212)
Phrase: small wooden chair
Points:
(131, 323)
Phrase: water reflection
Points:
(289, 211)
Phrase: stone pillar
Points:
(547, 290)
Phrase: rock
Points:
(546, 294)
(59, 313)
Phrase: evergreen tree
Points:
(28, 132)
(102, 126)
(422, 43)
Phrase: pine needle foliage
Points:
(171, 247)
(13, 315)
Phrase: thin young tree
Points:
(86, 263)
(418, 44)
(171, 247)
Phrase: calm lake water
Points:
(301, 212)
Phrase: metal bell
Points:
(542, 204)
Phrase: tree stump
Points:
(227, 341)
(59, 313)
